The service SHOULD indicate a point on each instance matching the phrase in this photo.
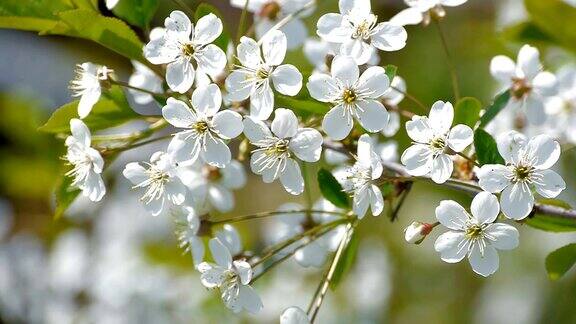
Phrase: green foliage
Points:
(345, 263)
(527, 33)
(332, 190)
(65, 195)
(391, 71)
(560, 261)
(467, 111)
(556, 18)
(301, 104)
(552, 223)
(486, 148)
(499, 103)
(136, 12)
(202, 10)
(111, 110)
(32, 15)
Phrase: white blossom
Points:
(188, 224)
(527, 167)
(275, 156)
(561, 109)
(433, 138)
(360, 180)
(421, 11)
(268, 13)
(294, 315)
(87, 84)
(158, 179)
(231, 277)
(474, 235)
(146, 79)
(529, 85)
(353, 95)
(187, 48)
(212, 187)
(417, 232)
(358, 30)
(320, 54)
(87, 163)
(206, 128)
(260, 69)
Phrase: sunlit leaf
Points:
(391, 71)
(560, 261)
(556, 18)
(467, 111)
(136, 12)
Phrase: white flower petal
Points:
(372, 115)
(542, 151)
(208, 28)
(256, 130)
(503, 69)
(312, 255)
(161, 50)
(418, 160)
(216, 152)
(452, 215)
(550, 183)
(249, 53)
(502, 236)
(493, 177)
(211, 277)
(180, 75)
(307, 144)
(238, 86)
(220, 253)
(517, 201)
(441, 116)
(337, 123)
(545, 84)
(211, 59)
(262, 102)
(178, 114)
(442, 168)
(233, 175)
(389, 37)
(408, 16)
(323, 87)
(361, 202)
(179, 25)
(80, 131)
(244, 271)
(250, 301)
(334, 28)
(509, 145)
(287, 79)
(373, 82)
(393, 124)
(291, 178)
(357, 49)
(485, 207)
(228, 124)
(274, 47)
(529, 61)
(485, 263)
(285, 123)
(451, 246)
(294, 315)
(87, 101)
(535, 111)
(207, 99)
(93, 187)
(460, 137)
(419, 129)
(376, 200)
(345, 70)
(134, 172)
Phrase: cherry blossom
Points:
(87, 85)
(422, 11)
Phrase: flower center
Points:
(200, 127)
(364, 29)
(155, 183)
(188, 50)
(520, 88)
(522, 173)
(212, 173)
(270, 10)
(349, 96)
(438, 143)
(280, 147)
(262, 74)
(474, 231)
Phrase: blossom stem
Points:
(241, 25)
(307, 192)
(449, 61)
(141, 134)
(412, 98)
(323, 287)
(128, 86)
(287, 19)
(288, 255)
(284, 244)
(271, 214)
(468, 158)
(185, 7)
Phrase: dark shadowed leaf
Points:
(560, 261)
(332, 190)
(486, 148)
(497, 105)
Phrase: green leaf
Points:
(202, 10)
(556, 18)
(467, 111)
(527, 33)
(38, 15)
(551, 223)
(390, 71)
(486, 148)
(136, 12)
(497, 105)
(65, 195)
(111, 110)
(109, 32)
(560, 261)
(332, 190)
(302, 105)
(345, 263)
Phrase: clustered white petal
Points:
(433, 138)
(87, 85)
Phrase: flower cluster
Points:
(254, 98)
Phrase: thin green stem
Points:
(242, 23)
(282, 245)
(126, 85)
(141, 134)
(323, 287)
(271, 214)
(412, 98)
(307, 191)
(468, 158)
(449, 61)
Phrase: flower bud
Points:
(416, 232)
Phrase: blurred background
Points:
(114, 263)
